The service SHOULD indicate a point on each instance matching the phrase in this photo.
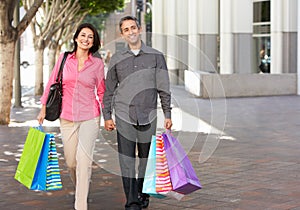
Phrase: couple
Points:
(135, 78)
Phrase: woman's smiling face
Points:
(85, 39)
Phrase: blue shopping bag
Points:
(40, 175)
(149, 186)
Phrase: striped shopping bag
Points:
(163, 181)
(53, 180)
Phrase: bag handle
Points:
(168, 131)
(60, 72)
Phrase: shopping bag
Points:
(30, 157)
(163, 182)
(149, 185)
(53, 179)
(183, 176)
(42, 173)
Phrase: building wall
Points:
(217, 35)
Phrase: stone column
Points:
(193, 59)
(298, 51)
(289, 58)
(242, 24)
(276, 36)
(158, 25)
(226, 37)
(182, 38)
(171, 40)
(208, 28)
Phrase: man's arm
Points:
(163, 88)
(111, 83)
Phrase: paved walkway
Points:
(244, 150)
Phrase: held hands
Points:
(109, 125)
(40, 118)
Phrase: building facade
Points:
(230, 33)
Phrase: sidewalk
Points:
(244, 150)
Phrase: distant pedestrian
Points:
(83, 90)
(107, 57)
(135, 78)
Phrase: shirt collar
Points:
(73, 56)
(144, 49)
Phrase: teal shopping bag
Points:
(149, 186)
(30, 157)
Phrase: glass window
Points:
(261, 11)
(261, 35)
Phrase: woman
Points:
(83, 89)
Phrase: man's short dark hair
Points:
(128, 18)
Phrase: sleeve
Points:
(163, 85)
(101, 83)
(51, 80)
(111, 84)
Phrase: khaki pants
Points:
(79, 141)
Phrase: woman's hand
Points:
(109, 125)
(40, 118)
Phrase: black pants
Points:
(132, 139)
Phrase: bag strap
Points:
(60, 72)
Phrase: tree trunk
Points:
(17, 73)
(52, 56)
(8, 37)
(39, 62)
(6, 79)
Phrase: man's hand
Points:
(109, 125)
(168, 124)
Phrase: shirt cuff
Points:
(168, 115)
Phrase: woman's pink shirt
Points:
(82, 90)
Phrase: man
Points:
(135, 78)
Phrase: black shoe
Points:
(144, 200)
(134, 207)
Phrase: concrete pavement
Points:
(244, 150)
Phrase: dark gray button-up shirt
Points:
(133, 83)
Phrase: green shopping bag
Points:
(30, 156)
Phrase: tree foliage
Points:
(101, 6)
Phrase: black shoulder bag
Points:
(54, 100)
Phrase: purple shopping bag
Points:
(183, 176)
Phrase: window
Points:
(261, 34)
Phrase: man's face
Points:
(130, 32)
